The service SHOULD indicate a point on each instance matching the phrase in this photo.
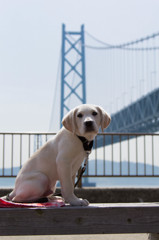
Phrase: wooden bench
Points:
(94, 219)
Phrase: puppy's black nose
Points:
(88, 123)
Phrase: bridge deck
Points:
(140, 116)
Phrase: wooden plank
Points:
(153, 236)
(94, 219)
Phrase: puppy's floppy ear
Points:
(105, 118)
(69, 121)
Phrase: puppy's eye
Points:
(94, 113)
(79, 115)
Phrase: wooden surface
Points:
(153, 236)
(94, 219)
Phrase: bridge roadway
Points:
(142, 116)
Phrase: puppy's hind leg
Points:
(30, 190)
(26, 193)
(30, 187)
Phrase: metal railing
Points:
(113, 155)
(125, 155)
(16, 148)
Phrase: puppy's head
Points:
(85, 120)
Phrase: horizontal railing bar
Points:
(105, 176)
(99, 176)
(27, 133)
(99, 134)
(128, 134)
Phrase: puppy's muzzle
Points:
(89, 125)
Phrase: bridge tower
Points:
(73, 82)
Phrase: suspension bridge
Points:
(122, 78)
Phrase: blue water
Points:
(102, 182)
(123, 182)
(7, 182)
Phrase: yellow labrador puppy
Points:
(60, 158)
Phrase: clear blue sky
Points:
(30, 41)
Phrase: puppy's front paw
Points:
(79, 202)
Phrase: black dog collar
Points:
(87, 145)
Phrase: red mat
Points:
(53, 203)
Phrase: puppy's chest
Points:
(77, 161)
